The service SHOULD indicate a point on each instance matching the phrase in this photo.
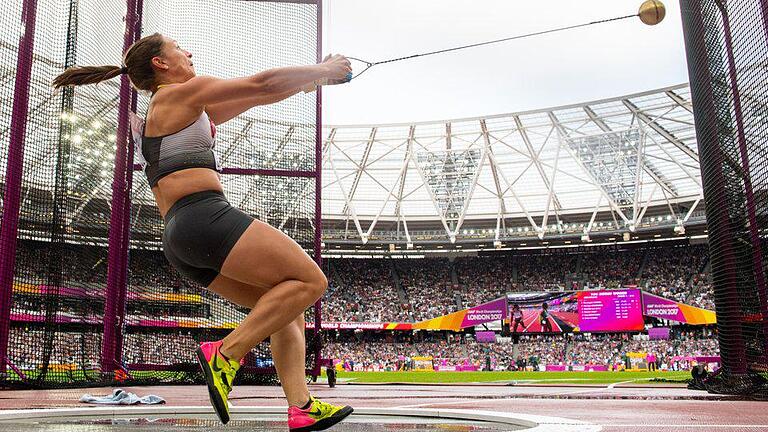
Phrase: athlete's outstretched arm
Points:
(205, 91)
(222, 112)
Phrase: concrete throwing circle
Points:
(162, 418)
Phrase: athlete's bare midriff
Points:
(165, 117)
(179, 184)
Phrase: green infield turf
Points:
(517, 377)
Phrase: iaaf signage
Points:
(665, 310)
(491, 311)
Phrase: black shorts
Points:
(200, 231)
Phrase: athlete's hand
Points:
(339, 70)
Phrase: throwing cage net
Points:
(86, 294)
(727, 48)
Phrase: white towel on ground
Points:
(121, 397)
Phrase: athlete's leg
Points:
(266, 257)
(285, 344)
(239, 293)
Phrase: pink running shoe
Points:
(219, 375)
(319, 416)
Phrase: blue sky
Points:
(562, 68)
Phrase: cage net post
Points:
(114, 307)
(14, 126)
(727, 46)
(316, 339)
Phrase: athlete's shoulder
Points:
(186, 89)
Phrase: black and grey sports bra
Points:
(191, 147)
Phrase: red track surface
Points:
(617, 409)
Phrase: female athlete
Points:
(206, 239)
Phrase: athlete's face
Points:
(175, 61)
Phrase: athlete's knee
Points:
(299, 322)
(317, 284)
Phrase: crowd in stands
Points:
(428, 287)
(395, 356)
(490, 278)
(27, 349)
(83, 349)
(376, 290)
(400, 290)
(596, 349)
(703, 297)
(531, 351)
(546, 272)
(77, 264)
(702, 294)
(150, 269)
(159, 348)
(388, 352)
(362, 291)
(669, 271)
(612, 269)
(437, 286)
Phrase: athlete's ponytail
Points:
(137, 61)
(82, 75)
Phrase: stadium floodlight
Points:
(679, 228)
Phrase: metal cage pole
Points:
(318, 191)
(754, 235)
(114, 314)
(121, 308)
(764, 14)
(14, 173)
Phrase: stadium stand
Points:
(387, 290)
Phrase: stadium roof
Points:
(580, 168)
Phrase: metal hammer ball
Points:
(652, 12)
